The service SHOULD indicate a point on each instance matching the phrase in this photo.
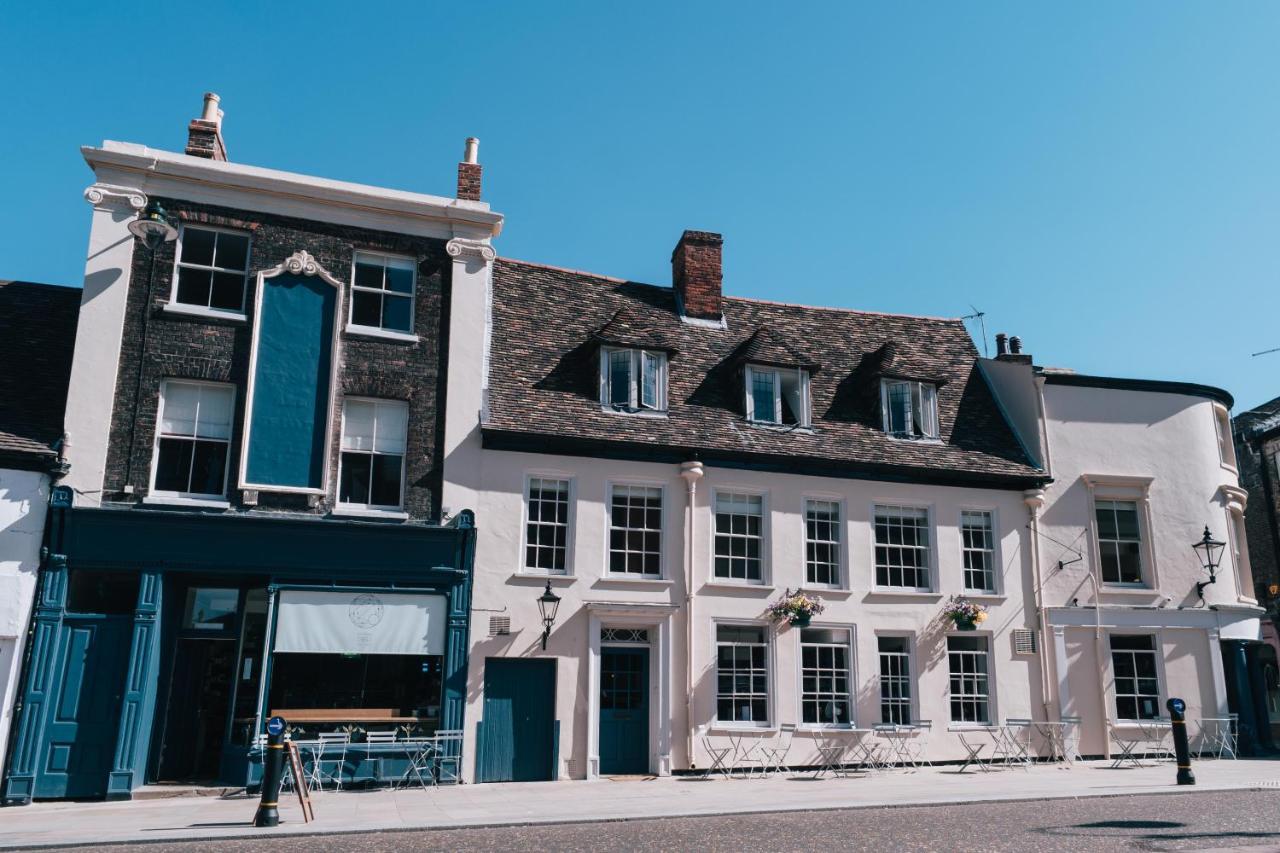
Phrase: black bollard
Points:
(1177, 710)
(272, 774)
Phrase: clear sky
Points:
(1099, 178)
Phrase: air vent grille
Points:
(1024, 641)
(499, 626)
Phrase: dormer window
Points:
(777, 396)
(910, 408)
(633, 380)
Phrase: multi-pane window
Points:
(778, 396)
(1119, 541)
(902, 547)
(382, 292)
(634, 380)
(1226, 445)
(968, 662)
(635, 531)
(910, 409)
(374, 434)
(825, 678)
(1133, 658)
(547, 530)
(193, 438)
(978, 549)
(742, 675)
(822, 542)
(212, 269)
(739, 536)
(895, 680)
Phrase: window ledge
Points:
(754, 587)
(774, 427)
(625, 581)
(739, 729)
(1126, 590)
(174, 500)
(382, 334)
(890, 592)
(658, 414)
(910, 440)
(968, 727)
(542, 577)
(362, 512)
(993, 597)
(205, 312)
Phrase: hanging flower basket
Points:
(796, 608)
(966, 615)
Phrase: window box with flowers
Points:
(966, 615)
(796, 608)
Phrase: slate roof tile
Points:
(37, 337)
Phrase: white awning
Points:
(372, 623)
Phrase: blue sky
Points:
(1099, 178)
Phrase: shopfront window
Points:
(210, 609)
(109, 593)
(253, 637)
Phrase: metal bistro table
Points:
(1055, 735)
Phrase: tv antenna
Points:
(1265, 352)
(978, 315)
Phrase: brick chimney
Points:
(470, 171)
(696, 274)
(204, 134)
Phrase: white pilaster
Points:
(1060, 664)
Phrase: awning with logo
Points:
(369, 623)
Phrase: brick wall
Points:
(182, 347)
(1263, 511)
(469, 176)
(697, 275)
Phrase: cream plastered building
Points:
(1139, 470)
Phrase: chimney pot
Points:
(1015, 345)
(1002, 343)
(211, 111)
(697, 274)
(204, 134)
(470, 172)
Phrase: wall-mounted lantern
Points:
(1210, 553)
(548, 604)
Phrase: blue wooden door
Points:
(624, 710)
(84, 708)
(516, 738)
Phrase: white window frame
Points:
(1157, 642)
(913, 698)
(1235, 500)
(996, 564)
(992, 711)
(155, 444)
(610, 487)
(932, 550)
(571, 523)
(770, 674)
(851, 648)
(1107, 487)
(635, 403)
(803, 417)
(931, 429)
(765, 563)
(842, 541)
(412, 295)
(1226, 439)
(191, 308)
(404, 457)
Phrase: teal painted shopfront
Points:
(162, 640)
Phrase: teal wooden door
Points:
(516, 738)
(81, 721)
(624, 710)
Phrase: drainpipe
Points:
(692, 473)
(1034, 499)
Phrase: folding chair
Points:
(776, 756)
(748, 754)
(916, 747)
(1018, 733)
(719, 755)
(972, 758)
(325, 743)
(372, 739)
(421, 753)
(446, 761)
(890, 745)
(830, 757)
(1071, 739)
(1127, 739)
(1228, 735)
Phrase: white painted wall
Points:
(24, 503)
(502, 585)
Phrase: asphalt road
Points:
(1183, 821)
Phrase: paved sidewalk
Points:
(188, 818)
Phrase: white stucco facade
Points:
(24, 503)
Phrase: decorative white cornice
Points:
(460, 247)
(1233, 498)
(301, 262)
(98, 194)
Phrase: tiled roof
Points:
(544, 386)
(775, 349)
(37, 336)
(635, 326)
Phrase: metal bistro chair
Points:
(775, 757)
(718, 754)
(916, 748)
(972, 758)
(447, 761)
(1018, 736)
(380, 738)
(1127, 738)
(325, 743)
(1070, 739)
(421, 753)
(1218, 736)
(889, 747)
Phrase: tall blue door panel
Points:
(516, 738)
(84, 707)
(624, 710)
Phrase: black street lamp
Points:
(548, 604)
(1210, 552)
(153, 227)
